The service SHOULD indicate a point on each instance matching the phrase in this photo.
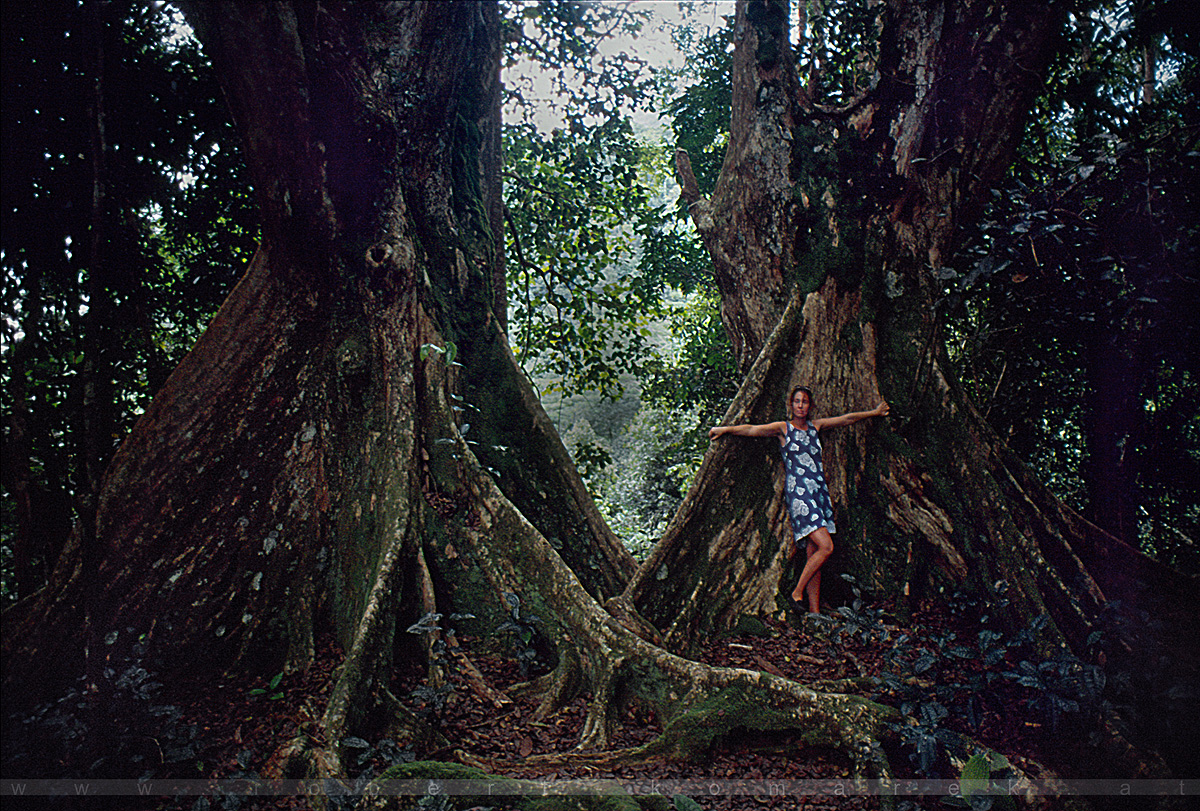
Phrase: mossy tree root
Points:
(599, 656)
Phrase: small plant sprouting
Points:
(975, 782)
(858, 620)
(386, 751)
(450, 351)
(854, 620)
(523, 627)
(432, 697)
(271, 691)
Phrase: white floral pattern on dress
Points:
(804, 486)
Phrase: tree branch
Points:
(690, 191)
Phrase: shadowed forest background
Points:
(463, 281)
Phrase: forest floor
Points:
(241, 730)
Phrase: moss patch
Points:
(747, 625)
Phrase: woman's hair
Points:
(792, 396)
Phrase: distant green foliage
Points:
(700, 374)
(655, 459)
(562, 39)
(700, 111)
(580, 307)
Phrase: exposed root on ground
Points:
(600, 655)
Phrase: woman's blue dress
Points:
(804, 486)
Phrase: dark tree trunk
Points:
(1113, 433)
(865, 207)
(275, 483)
(94, 390)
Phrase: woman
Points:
(805, 489)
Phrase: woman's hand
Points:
(882, 409)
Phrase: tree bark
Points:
(274, 482)
(746, 224)
(931, 498)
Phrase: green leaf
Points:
(975, 773)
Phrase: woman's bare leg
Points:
(820, 547)
(813, 590)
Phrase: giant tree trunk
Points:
(275, 485)
(856, 209)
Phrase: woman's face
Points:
(800, 405)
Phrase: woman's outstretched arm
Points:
(880, 410)
(769, 429)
